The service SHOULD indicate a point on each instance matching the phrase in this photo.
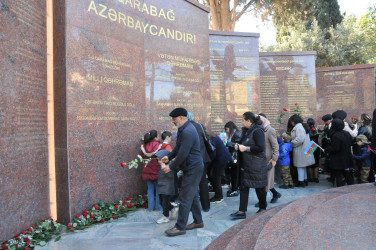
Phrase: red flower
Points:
(130, 205)
(26, 248)
(296, 104)
(116, 206)
(43, 220)
(4, 247)
(34, 226)
(30, 229)
(17, 238)
(72, 229)
(26, 239)
(313, 129)
(92, 216)
(24, 231)
(69, 224)
(77, 216)
(123, 164)
(57, 221)
(124, 203)
(114, 217)
(16, 246)
(102, 221)
(284, 109)
(96, 207)
(17, 235)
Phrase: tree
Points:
(344, 47)
(288, 14)
(225, 13)
(367, 26)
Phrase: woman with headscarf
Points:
(272, 152)
(339, 151)
(252, 162)
(300, 141)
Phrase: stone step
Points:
(225, 240)
(284, 229)
(304, 223)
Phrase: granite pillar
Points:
(234, 77)
(24, 195)
(287, 80)
(351, 88)
(120, 68)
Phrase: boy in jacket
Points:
(364, 157)
(285, 147)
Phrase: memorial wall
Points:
(351, 88)
(24, 196)
(123, 67)
(234, 77)
(287, 80)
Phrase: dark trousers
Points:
(234, 177)
(338, 175)
(164, 200)
(244, 193)
(188, 197)
(215, 173)
(204, 190)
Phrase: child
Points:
(166, 189)
(285, 147)
(166, 137)
(150, 171)
(364, 157)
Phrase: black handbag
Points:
(208, 144)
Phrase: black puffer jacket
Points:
(235, 138)
(254, 173)
(339, 150)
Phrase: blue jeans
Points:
(153, 185)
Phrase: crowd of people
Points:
(257, 156)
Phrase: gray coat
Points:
(166, 183)
(271, 151)
(300, 141)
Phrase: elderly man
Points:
(188, 158)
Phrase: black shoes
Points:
(275, 198)
(237, 215)
(257, 204)
(233, 193)
(260, 210)
(300, 184)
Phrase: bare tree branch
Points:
(243, 10)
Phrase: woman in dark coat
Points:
(339, 150)
(252, 162)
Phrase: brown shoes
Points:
(174, 232)
(194, 225)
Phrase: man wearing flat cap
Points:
(188, 158)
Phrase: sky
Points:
(248, 23)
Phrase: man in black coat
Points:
(339, 150)
(188, 158)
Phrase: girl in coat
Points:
(300, 141)
(252, 163)
(231, 170)
(151, 169)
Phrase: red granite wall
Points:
(286, 79)
(23, 116)
(351, 88)
(120, 69)
(234, 76)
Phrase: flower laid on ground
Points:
(42, 232)
(38, 234)
(134, 163)
(101, 212)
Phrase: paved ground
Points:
(140, 231)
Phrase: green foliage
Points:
(344, 47)
(367, 28)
